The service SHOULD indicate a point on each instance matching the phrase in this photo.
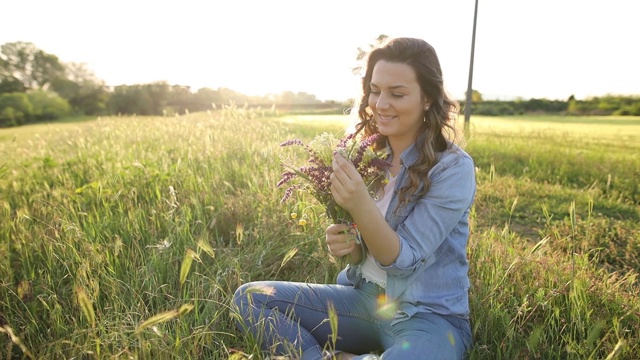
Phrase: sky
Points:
(524, 49)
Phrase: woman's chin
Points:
(384, 130)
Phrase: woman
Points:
(405, 290)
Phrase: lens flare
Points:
(385, 309)
(452, 340)
(405, 345)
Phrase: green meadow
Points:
(125, 237)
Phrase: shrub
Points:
(48, 105)
(15, 109)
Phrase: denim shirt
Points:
(430, 273)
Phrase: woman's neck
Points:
(397, 148)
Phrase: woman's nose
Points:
(382, 102)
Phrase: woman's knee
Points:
(252, 294)
(248, 305)
(243, 299)
(341, 279)
(240, 296)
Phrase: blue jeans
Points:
(293, 319)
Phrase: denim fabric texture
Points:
(423, 313)
(431, 271)
(290, 318)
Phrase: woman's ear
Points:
(427, 103)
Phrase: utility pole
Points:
(467, 104)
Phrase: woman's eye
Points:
(397, 95)
(375, 92)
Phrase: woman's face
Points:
(397, 102)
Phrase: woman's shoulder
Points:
(453, 160)
(455, 155)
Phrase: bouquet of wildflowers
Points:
(314, 177)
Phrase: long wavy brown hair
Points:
(438, 130)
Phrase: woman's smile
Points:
(386, 118)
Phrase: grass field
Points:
(125, 237)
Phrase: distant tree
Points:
(47, 105)
(179, 99)
(140, 99)
(204, 99)
(572, 105)
(10, 84)
(83, 90)
(129, 99)
(476, 96)
(155, 97)
(494, 108)
(632, 109)
(610, 103)
(305, 98)
(286, 97)
(230, 96)
(15, 109)
(24, 62)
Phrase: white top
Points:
(370, 269)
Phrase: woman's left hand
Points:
(347, 186)
(340, 240)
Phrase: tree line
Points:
(36, 86)
(598, 105)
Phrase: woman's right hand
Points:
(340, 240)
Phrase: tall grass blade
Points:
(185, 267)
(157, 319)
(617, 350)
(290, 254)
(164, 317)
(204, 246)
(16, 340)
(86, 305)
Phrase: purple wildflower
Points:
(292, 142)
(343, 142)
(286, 177)
(315, 160)
(366, 143)
(289, 192)
(320, 177)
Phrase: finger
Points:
(340, 250)
(337, 240)
(334, 179)
(338, 175)
(341, 183)
(339, 162)
(335, 229)
(340, 242)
